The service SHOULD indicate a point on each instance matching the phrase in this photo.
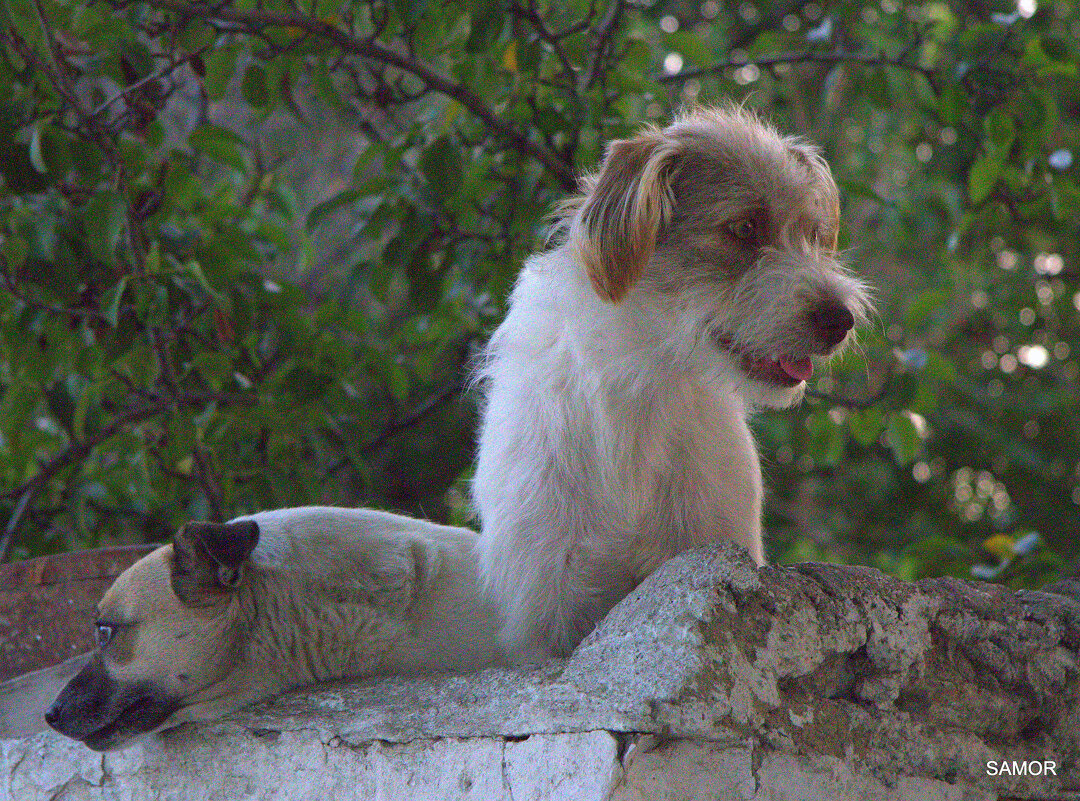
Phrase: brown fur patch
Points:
(623, 209)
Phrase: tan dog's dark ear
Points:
(618, 222)
(207, 559)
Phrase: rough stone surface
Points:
(712, 680)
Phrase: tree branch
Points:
(429, 405)
(77, 451)
(554, 42)
(600, 44)
(807, 56)
(256, 20)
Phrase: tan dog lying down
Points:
(232, 613)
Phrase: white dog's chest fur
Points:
(599, 457)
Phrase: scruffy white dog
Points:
(693, 278)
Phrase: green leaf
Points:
(876, 87)
(1033, 113)
(87, 411)
(690, 45)
(323, 210)
(196, 35)
(14, 250)
(1000, 129)
(902, 437)
(37, 156)
(326, 91)
(952, 105)
(866, 425)
(1066, 198)
(220, 65)
(110, 301)
(398, 383)
(105, 216)
(1056, 47)
(410, 11)
(253, 88)
(61, 405)
(441, 165)
(194, 269)
(925, 304)
(941, 555)
(220, 144)
(1049, 55)
(213, 367)
(304, 385)
(925, 95)
(487, 25)
(983, 176)
(827, 439)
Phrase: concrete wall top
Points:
(712, 680)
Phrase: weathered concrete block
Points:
(713, 680)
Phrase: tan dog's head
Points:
(720, 236)
(166, 631)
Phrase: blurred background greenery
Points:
(250, 247)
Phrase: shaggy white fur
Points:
(693, 278)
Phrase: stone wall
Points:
(711, 681)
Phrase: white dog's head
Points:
(719, 235)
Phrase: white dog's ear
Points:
(207, 559)
(626, 203)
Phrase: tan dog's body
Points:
(212, 622)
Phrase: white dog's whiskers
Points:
(693, 278)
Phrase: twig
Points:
(767, 23)
(412, 418)
(13, 289)
(57, 75)
(77, 451)
(603, 32)
(545, 34)
(159, 405)
(848, 403)
(208, 480)
(144, 81)
(7, 536)
(808, 56)
(210, 484)
(429, 405)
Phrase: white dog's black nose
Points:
(832, 323)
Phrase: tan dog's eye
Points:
(103, 633)
(744, 229)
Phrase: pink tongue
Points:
(800, 369)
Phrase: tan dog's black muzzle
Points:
(104, 713)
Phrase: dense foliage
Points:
(248, 248)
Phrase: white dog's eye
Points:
(744, 229)
(103, 632)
